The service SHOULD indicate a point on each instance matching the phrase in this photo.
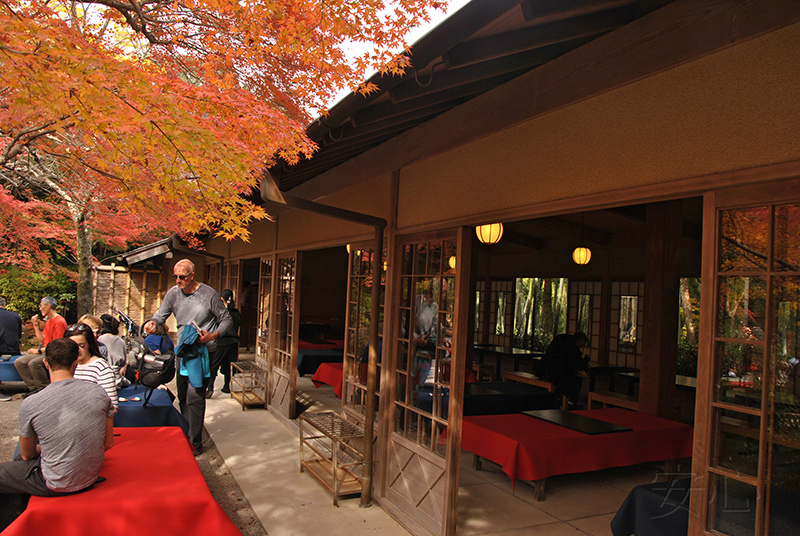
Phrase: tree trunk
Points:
(547, 307)
(686, 301)
(85, 291)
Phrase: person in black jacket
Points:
(227, 347)
(562, 364)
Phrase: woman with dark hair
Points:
(91, 365)
(117, 349)
(227, 347)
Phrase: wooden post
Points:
(142, 313)
(128, 291)
(372, 367)
(112, 287)
(661, 283)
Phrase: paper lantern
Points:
(490, 233)
(582, 255)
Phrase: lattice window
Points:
(284, 314)
(424, 342)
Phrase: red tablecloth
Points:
(329, 374)
(320, 344)
(153, 487)
(533, 449)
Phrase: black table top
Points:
(574, 421)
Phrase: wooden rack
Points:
(248, 383)
(335, 459)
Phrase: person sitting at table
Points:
(64, 431)
(117, 349)
(96, 324)
(91, 365)
(562, 364)
(159, 342)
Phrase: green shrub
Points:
(687, 359)
(23, 290)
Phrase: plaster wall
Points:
(731, 110)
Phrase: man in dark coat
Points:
(562, 364)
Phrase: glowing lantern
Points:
(490, 233)
(582, 255)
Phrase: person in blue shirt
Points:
(159, 341)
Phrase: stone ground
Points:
(223, 485)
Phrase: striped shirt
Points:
(99, 372)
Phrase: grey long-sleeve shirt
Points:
(204, 306)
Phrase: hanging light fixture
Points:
(451, 262)
(489, 234)
(347, 247)
(582, 255)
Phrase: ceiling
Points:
(481, 46)
(619, 227)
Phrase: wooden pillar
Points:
(661, 284)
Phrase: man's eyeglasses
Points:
(181, 277)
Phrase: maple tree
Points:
(121, 118)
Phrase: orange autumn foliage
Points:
(158, 113)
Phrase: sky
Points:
(418, 33)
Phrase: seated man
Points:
(31, 365)
(64, 432)
(562, 363)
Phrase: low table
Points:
(8, 372)
(329, 374)
(533, 449)
(159, 411)
(657, 508)
(309, 360)
(154, 486)
(577, 422)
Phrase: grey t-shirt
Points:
(204, 306)
(69, 418)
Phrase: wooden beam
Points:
(496, 46)
(521, 239)
(575, 230)
(680, 32)
(456, 28)
(452, 98)
(515, 63)
(543, 11)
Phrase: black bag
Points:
(151, 375)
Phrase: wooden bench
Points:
(607, 398)
(482, 370)
(532, 379)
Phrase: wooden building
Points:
(664, 135)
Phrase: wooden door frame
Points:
(781, 191)
(266, 358)
(461, 338)
(291, 408)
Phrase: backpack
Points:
(151, 375)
